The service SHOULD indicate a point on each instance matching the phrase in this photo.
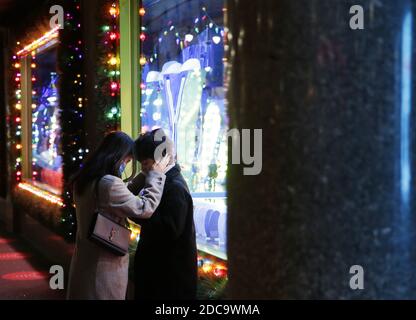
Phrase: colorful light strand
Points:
(110, 74)
(206, 266)
(41, 193)
(48, 36)
(183, 39)
(212, 268)
(72, 105)
(15, 119)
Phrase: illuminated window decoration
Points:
(42, 41)
(41, 193)
(72, 109)
(182, 74)
(108, 97)
(47, 163)
(52, 114)
(46, 128)
(207, 266)
(113, 11)
(183, 36)
(15, 118)
(113, 61)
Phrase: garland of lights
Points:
(40, 207)
(15, 122)
(41, 193)
(70, 59)
(48, 36)
(16, 125)
(70, 66)
(70, 56)
(108, 69)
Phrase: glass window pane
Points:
(46, 129)
(182, 53)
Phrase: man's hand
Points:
(161, 165)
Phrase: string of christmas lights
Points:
(41, 193)
(211, 267)
(70, 68)
(16, 125)
(207, 266)
(15, 120)
(108, 95)
(71, 60)
(47, 37)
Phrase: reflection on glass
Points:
(46, 130)
(406, 97)
(182, 80)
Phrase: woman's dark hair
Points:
(106, 159)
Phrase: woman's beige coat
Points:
(95, 272)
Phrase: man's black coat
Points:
(165, 265)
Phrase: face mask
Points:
(122, 168)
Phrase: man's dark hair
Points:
(145, 146)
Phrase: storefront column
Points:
(26, 116)
(129, 69)
(337, 184)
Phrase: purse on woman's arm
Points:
(107, 232)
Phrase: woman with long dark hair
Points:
(97, 273)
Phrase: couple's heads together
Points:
(153, 149)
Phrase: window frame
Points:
(26, 112)
(130, 91)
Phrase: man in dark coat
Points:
(165, 265)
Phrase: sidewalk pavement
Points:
(24, 275)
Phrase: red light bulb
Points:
(114, 86)
(113, 36)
